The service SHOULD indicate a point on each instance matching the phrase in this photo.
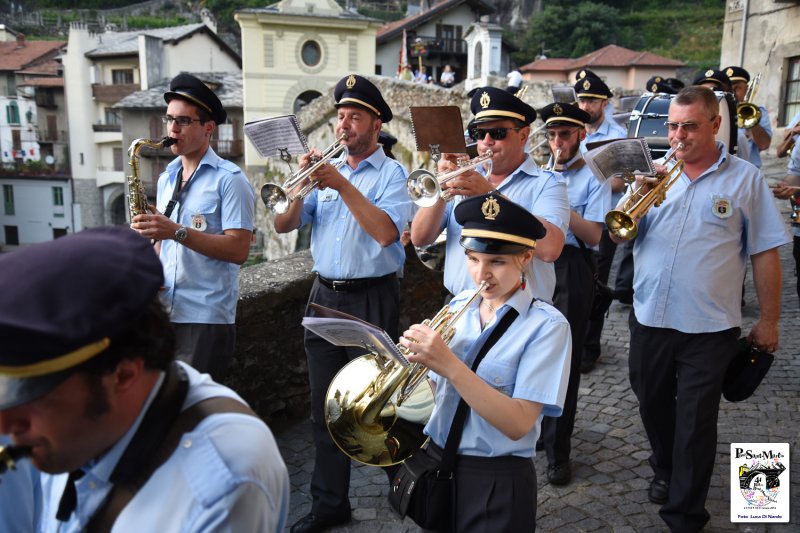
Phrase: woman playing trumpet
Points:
(522, 377)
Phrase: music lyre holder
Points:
(438, 130)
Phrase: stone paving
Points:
(608, 491)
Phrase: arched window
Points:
(478, 60)
(304, 99)
(12, 112)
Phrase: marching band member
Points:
(789, 189)
(589, 200)
(501, 124)
(758, 138)
(357, 215)
(593, 98)
(686, 316)
(522, 377)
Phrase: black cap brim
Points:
(492, 246)
(19, 391)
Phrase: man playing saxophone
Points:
(202, 229)
(690, 254)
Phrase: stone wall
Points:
(269, 367)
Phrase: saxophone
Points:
(137, 199)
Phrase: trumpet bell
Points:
(423, 188)
(275, 198)
(387, 439)
(747, 115)
(621, 225)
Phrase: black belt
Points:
(356, 284)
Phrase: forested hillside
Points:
(689, 30)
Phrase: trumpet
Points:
(624, 223)
(9, 455)
(278, 198)
(748, 114)
(375, 408)
(425, 188)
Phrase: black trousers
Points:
(207, 347)
(796, 254)
(493, 494)
(573, 297)
(677, 378)
(624, 280)
(378, 305)
(605, 256)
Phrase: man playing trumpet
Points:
(690, 255)
(357, 215)
(501, 124)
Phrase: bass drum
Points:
(651, 111)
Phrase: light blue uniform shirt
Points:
(609, 129)
(541, 192)
(691, 252)
(794, 170)
(341, 248)
(20, 496)
(588, 196)
(197, 288)
(530, 362)
(226, 475)
(746, 147)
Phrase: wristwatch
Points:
(181, 234)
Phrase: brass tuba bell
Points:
(748, 115)
(375, 409)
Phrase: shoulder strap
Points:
(122, 493)
(460, 418)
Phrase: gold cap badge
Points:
(485, 100)
(709, 72)
(557, 110)
(582, 75)
(729, 72)
(586, 85)
(490, 208)
(654, 87)
(351, 82)
(658, 79)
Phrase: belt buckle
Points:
(336, 284)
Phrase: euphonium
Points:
(9, 455)
(425, 188)
(748, 114)
(375, 408)
(624, 223)
(278, 198)
(137, 198)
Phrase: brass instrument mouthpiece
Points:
(9, 455)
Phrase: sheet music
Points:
(272, 135)
(342, 329)
(621, 157)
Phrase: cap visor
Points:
(19, 391)
(491, 246)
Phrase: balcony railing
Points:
(438, 46)
(45, 99)
(227, 148)
(46, 136)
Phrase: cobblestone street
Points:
(608, 491)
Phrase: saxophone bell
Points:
(137, 197)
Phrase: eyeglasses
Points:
(180, 121)
(497, 134)
(688, 127)
(561, 134)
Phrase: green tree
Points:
(566, 30)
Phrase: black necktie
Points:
(69, 499)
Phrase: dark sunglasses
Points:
(498, 134)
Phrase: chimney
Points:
(20, 40)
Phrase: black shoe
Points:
(311, 523)
(587, 365)
(559, 474)
(659, 491)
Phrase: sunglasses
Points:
(688, 127)
(497, 134)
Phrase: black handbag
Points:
(745, 371)
(603, 295)
(424, 488)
